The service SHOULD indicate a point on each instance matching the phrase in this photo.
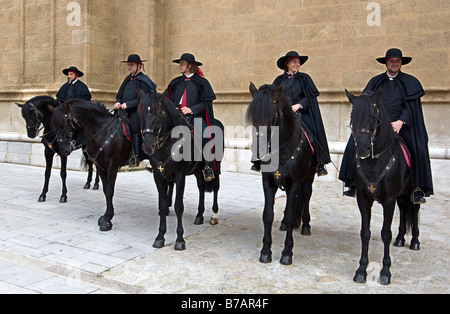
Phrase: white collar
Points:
(391, 78)
(73, 82)
(190, 75)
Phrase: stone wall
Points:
(238, 42)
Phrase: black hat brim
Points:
(196, 62)
(66, 72)
(282, 61)
(405, 60)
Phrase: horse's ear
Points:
(350, 96)
(20, 105)
(51, 108)
(278, 92)
(253, 89)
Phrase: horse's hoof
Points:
(96, 187)
(159, 244)
(385, 280)
(360, 278)
(42, 198)
(399, 243)
(286, 260)
(87, 186)
(415, 247)
(104, 224)
(180, 246)
(63, 199)
(265, 258)
(198, 221)
(214, 221)
(306, 231)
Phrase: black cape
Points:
(130, 97)
(203, 98)
(412, 91)
(80, 91)
(311, 113)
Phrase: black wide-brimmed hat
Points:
(73, 69)
(134, 58)
(282, 62)
(188, 57)
(395, 53)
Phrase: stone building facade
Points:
(238, 41)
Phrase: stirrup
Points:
(133, 162)
(208, 174)
(420, 199)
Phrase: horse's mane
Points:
(95, 109)
(361, 114)
(263, 109)
(41, 103)
(158, 103)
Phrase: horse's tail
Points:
(84, 163)
(412, 214)
(209, 186)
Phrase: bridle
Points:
(372, 134)
(39, 116)
(156, 131)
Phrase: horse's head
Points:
(151, 115)
(64, 125)
(269, 105)
(365, 120)
(34, 111)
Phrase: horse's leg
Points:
(89, 165)
(63, 198)
(402, 205)
(108, 180)
(269, 199)
(48, 153)
(386, 236)
(97, 181)
(170, 195)
(365, 208)
(201, 199)
(180, 244)
(290, 216)
(216, 186)
(414, 212)
(163, 210)
(306, 194)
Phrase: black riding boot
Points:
(418, 197)
(135, 158)
(351, 192)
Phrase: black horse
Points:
(80, 123)
(294, 171)
(382, 174)
(38, 112)
(161, 125)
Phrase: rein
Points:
(74, 123)
(161, 141)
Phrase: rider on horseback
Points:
(127, 99)
(401, 96)
(194, 96)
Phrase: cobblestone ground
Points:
(57, 248)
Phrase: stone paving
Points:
(57, 248)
